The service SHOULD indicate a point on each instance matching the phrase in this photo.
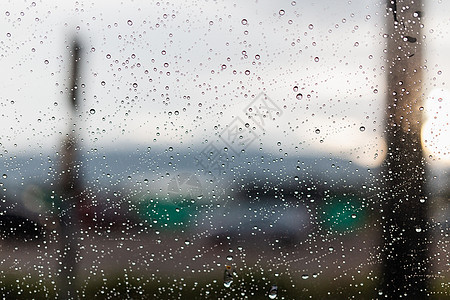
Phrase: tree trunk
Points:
(71, 192)
(405, 236)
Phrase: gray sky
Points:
(174, 73)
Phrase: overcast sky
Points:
(176, 73)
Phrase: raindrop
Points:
(129, 22)
(317, 131)
(299, 96)
(244, 22)
(316, 59)
(362, 128)
(310, 26)
(247, 72)
(330, 249)
(353, 216)
(187, 242)
(92, 111)
(409, 39)
(230, 257)
(305, 276)
(281, 12)
(5, 176)
(273, 292)
(227, 277)
(46, 62)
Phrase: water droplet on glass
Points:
(46, 62)
(281, 12)
(316, 59)
(247, 72)
(129, 22)
(305, 276)
(227, 277)
(317, 131)
(5, 176)
(353, 216)
(330, 249)
(92, 111)
(299, 96)
(362, 128)
(273, 292)
(187, 242)
(244, 22)
(229, 257)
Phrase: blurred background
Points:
(215, 149)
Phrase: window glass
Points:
(218, 149)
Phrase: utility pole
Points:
(71, 190)
(405, 231)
